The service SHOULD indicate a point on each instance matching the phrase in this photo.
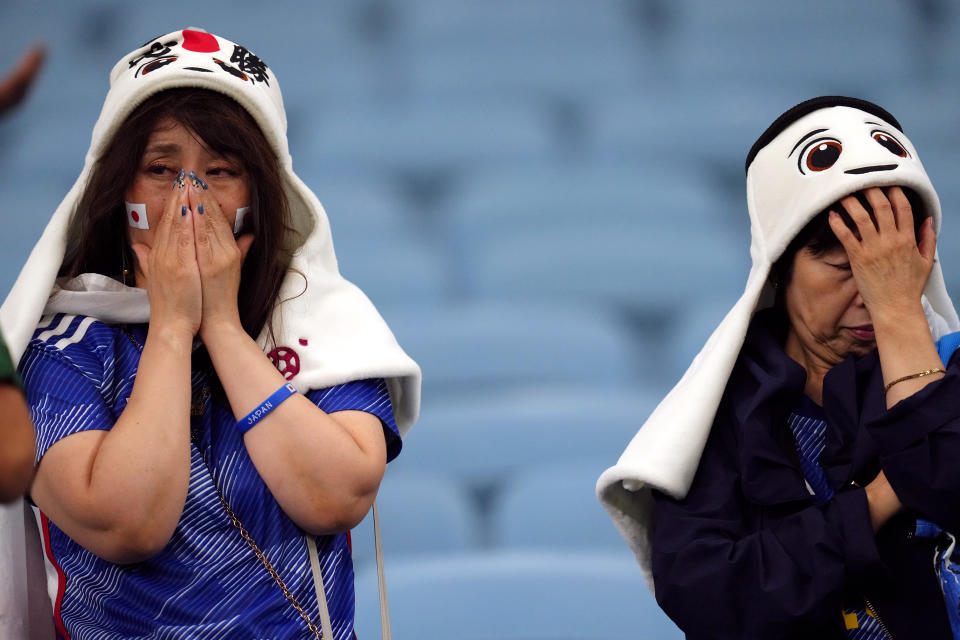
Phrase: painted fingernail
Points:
(197, 181)
(200, 208)
(179, 181)
(183, 210)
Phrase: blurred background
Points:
(545, 199)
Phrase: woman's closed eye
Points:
(158, 169)
(224, 171)
(842, 266)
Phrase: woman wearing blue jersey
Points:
(207, 389)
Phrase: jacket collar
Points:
(766, 386)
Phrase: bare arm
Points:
(323, 469)
(892, 268)
(16, 454)
(120, 493)
(15, 85)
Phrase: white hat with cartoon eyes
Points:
(812, 156)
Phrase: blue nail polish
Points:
(179, 181)
(183, 210)
(197, 181)
(200, 208)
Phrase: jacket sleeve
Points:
(919, 442)
(723, 563)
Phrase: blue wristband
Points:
(268, 405)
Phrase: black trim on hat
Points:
(809, 106)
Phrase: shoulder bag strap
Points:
(318, 587)
(381, 582)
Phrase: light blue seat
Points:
(684, 129)
(647, 267)
(392, 268)
(485, 439)
(421, 513)
(358, 204)
(25, 209)
(445, 21)
(504, 202)
(504, 62)
(492, 345)
(45, 144)
(515, 596)
(688, 334)
(829, 47)
(439, 134)
(554, 506)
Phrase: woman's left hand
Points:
(220, 257)
(891, 268)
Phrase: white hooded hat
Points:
(327, 334)
(812, 156)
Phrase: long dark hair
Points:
(97, 233)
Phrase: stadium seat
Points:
(486, 439)
(481, 345)
(828, 47)
(515, 596)
(554, 506)
(647, 267)
(421, 513)
(427, 134)
(500, 202)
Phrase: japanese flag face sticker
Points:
(136, 215)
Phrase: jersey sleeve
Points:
(63, 398)
(370, 396)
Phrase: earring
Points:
(125, 271)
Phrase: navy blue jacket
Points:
(748, 555)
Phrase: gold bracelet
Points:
(925, 372)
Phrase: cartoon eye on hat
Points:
(889, 143)
(820, 154)
(153, 65)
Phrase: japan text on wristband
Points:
(268, 405)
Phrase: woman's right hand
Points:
(891, 265)
(170, 269)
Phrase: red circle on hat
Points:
(199, 41)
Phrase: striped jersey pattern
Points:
(207, 583)
(810, 431)
(810, 438)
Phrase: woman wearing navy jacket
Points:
(838, 428)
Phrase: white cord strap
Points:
(381, 580)
(325, 624)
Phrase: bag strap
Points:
(262, 557)
(381, 581)
(325, 623)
